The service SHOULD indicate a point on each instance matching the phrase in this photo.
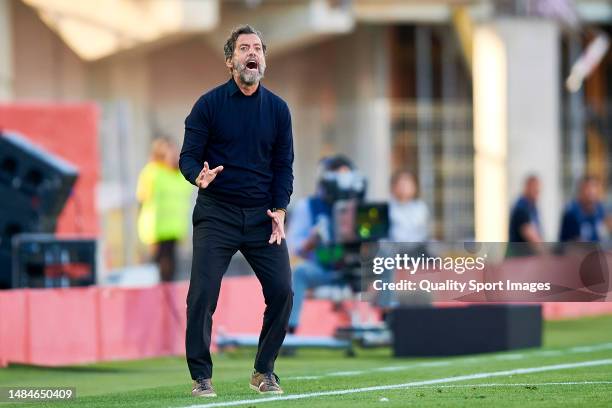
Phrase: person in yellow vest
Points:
(164, 197)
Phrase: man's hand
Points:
(278, 226)
(207, 175)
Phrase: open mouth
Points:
(251, 65)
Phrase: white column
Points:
(6, 51)
(516, 121)
(372, 143)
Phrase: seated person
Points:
(409, 232)
(408, 214)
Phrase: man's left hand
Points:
(278, 226)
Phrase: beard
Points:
(247, 76)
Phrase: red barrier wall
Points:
(71, 132)
(13, 327)
(80, 325)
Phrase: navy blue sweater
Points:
(250, 136)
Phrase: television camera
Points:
(356, 225)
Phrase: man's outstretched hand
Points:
(278, 226)
(207, 175)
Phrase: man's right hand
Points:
(207, 175)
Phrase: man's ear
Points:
(228, 63)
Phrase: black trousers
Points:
(219, 230)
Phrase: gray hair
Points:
(230, 44)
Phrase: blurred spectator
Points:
(408, 215)
(525, 227)
(310, 227)
(409, 231)
(163, 195)
(584, 218)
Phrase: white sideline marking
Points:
(345, 373)
(469, 360)
(548, 353)
(475, 376)
(588, 349)
(391, 368)
(509, 356)
(434, 364)
(518, 384)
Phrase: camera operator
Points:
(311, 227)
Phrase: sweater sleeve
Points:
(197, 130)
(282, 160)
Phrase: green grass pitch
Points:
(165, 382)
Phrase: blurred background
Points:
(439, 87)
(471, 96)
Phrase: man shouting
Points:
(238, 150)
